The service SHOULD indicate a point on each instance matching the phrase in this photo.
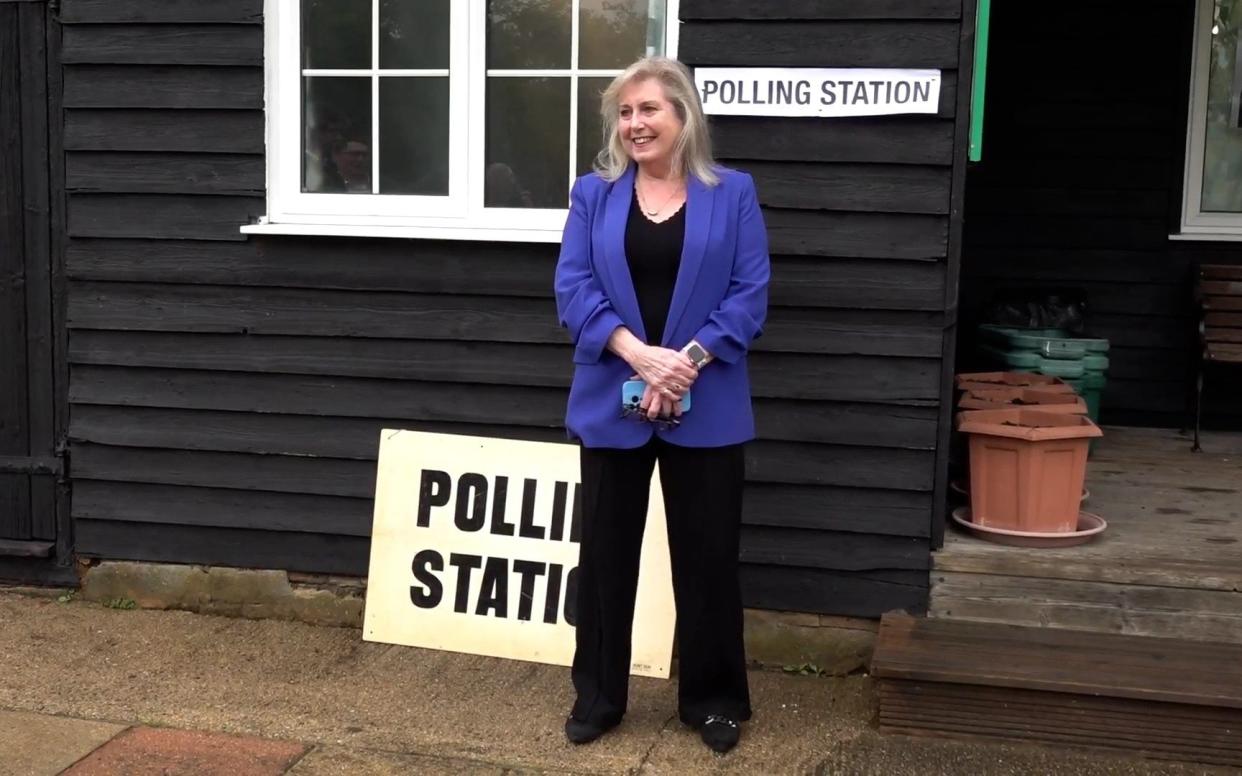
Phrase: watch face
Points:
(696, 353)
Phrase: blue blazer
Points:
(720, 299)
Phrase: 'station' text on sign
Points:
(474, 548)
(800, 91)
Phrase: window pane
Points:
(1222, 151)
(414, 34)
(590, 126)
(527, 153)
(614, 33)
(414, 135)
(336, 127)
(528, 34)
(336, 33)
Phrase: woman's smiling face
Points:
(648, 123)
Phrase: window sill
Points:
(408, 232)
(1208, 236)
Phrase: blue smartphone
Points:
(632, 395)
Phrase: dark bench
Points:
(1218, 290)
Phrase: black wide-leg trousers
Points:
(703, 507)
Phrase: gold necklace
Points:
(642, 201)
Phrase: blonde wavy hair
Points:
(692, 153)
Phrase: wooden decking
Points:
(1163, 698)
(1170, 563)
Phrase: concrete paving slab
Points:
(327, 687)
(796, 721)
(145, 751)
(39, 745)
(334, 761)
(288, 680)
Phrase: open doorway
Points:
(1079, 189)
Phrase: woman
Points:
(663, 277)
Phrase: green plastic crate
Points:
(1094, 380)
(1091, 389)
(1091, 394)
(1041, 342)
(1095, 363)
(1049, 343)
(1028, 361)
(1080, 361)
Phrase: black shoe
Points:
(579, 732)
(720, 733)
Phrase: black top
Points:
(654, 255)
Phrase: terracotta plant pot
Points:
(1005, 398)
(968, 381)
(1027, 467)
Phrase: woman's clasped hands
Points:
(668, 375)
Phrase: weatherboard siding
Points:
(227, 390)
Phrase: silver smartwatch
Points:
(697, 355)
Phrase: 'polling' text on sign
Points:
(474, 548)
(800, 91)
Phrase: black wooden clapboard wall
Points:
(227, 392)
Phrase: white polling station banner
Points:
(807, 91)
(474, 548)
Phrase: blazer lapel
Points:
(617, 266)
(699, 202)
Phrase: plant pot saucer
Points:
(961, 489)
(1088, 526)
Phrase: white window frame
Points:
(461, 214)
(1197, 224)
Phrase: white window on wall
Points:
(1212, 200)
(441, 118)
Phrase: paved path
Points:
(90, 690)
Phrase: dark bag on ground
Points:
(1037, 308)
